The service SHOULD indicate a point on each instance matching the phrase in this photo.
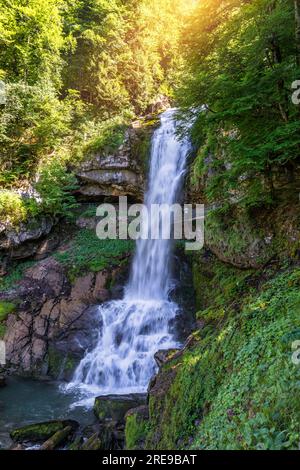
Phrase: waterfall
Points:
(135, 328)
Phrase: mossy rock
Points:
(136, 428)
(5, 309)
(41, 431)
(115, 407)
(60, 366)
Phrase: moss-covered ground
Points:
(236, 386)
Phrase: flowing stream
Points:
(135, 328)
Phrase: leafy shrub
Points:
(12, 208)
(55, 186)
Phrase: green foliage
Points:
(242, 62)
(31, 40)
(34, 123)
(12, 208)
(55, 186)
(88, 253)
(15, 273)
(135, 431)
(109, 137)
(237, 388)
(75, 74)
(5, 309)
(122, 56)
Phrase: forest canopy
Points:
(76, 72)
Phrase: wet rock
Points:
(93, 443)
(41, 431)
(18, 447)
(106, 435)
(163, 356)
(115, 407)
(2, 381)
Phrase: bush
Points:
(55, 186)
(12, 208)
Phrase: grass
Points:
(87, 252)
(5, 309)
(15, 274)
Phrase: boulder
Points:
(39, 432)
(115, 407)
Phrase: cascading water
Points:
(135, 328)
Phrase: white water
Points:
(135, 328)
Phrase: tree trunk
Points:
(297, 17)
(56, 439)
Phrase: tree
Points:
(241, 64)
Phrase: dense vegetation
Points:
(236, 386)
(75, 73)
(243, 57)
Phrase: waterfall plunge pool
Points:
(26, 401)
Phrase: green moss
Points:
(141, 145)
(15, 273)
(115, 408)
(2, 330)
(59, 364)
(37, 432)
(88, 253)
(5, 309)
(216, 283)
(237, 387)
(135, 432)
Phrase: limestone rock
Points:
(25, 241)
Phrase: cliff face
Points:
(100, 177)
(119, 174)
